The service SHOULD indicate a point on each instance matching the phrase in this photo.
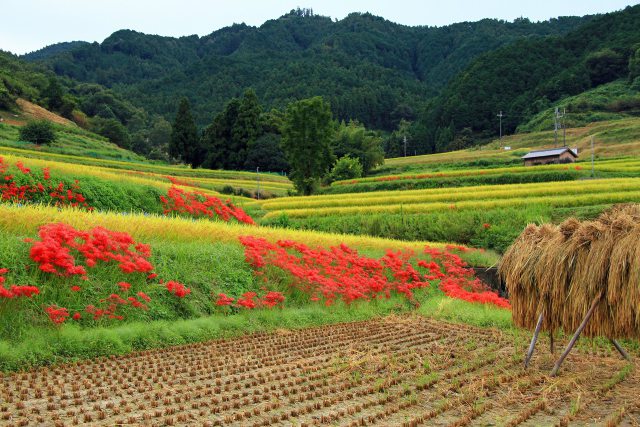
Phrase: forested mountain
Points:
(368, 68)
(528, 76)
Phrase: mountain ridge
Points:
(366, 66)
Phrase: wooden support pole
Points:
(532, 346)
(576, 335)
(618, 347)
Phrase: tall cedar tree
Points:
(306, 141)
(233, 132)
(184, 144)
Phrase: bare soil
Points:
(403, 371)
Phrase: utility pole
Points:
(593, 172)
(555, 127)
(405, 145)
(500, 115)
(258, 182)
(556, 123)
(564, 128)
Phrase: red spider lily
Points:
(459, 282)
(341, 272)
(59, 245)
(57, 314)
(15, 291)
(22, 168)
(486, 225)
(272, 299)
(124, 286)
(224, 300)
(76, 316)
(177, 289)
(76, 288)
(152, 276)
(198, 204)
(247, 300)
(144, 296)
(60, 195)
(137, 304)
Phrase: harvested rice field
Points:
(403, 371)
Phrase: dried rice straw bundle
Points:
(561, 270)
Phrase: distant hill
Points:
(53, 49)
(530, 76)
(369, 68)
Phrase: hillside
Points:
(367, 67)
(528, 76)
(31, 91)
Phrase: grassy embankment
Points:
(204, 255)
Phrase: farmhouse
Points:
(555, 155)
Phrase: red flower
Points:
(272, 299)
(177, 289)
(124, 286)
(486, 225)
(144, 296)
(247, 301)
(76, 316)
(224, 300)
(57, 314)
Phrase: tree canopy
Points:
(306, 141)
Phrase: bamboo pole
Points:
(533, 341)
(576, 335)
(621, 350)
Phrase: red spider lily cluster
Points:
(176, 181)
(15, 291)
(59, 194)
(458, 280)
(177, 289)
(63, 251)
(198, 204)
(341, 272)
(57, 314)
(248, 300)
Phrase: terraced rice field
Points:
(627, 165)
(392, 371)
(557, 194)
(148, 174)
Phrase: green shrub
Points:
(38, 132)
(346, 168)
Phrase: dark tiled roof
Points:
(548, 153)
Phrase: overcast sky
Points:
(29, 25)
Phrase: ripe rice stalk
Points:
(604, 195)
(559, 270)
(27, 219)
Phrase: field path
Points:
(404, 371)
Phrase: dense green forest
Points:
(529, 76)
(91, 106)
(438, 88)
(366, 67)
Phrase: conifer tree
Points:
(184, 144)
